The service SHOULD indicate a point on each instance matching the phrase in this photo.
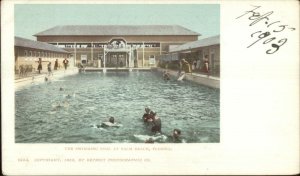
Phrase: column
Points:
(92, 56)
(104, 59)
(137, 58)
(143, 54)
(130, 60)
(75, 53)
(160, 48)
(126, 59)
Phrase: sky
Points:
(34, 18)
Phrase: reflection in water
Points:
(46, 114)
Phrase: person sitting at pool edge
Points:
(186, 66)
(147, 115)
(156, 123)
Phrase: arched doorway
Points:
(117, 53)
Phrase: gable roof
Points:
(197, 44)
(88, 30)
(22, 42)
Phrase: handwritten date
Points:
(268, 36)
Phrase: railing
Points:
(117, 47)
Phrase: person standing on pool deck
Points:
(179, 67)
(206, 63)
(194, 65)
(56, 64)
(65, 62)
(40, 65)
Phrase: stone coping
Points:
(202, 79)
(22, 82)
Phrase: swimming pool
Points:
(44, 114)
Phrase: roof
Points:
(197, 44)
(88, 30)
(22, 42)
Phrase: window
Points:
(34, 53)
(100, 56)
(152, 60)
(83, 59)
(25, 53)
(83, 45)
(30, 53)
(45, 54)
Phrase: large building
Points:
(117, 45)
(28, 52)
(195, 53)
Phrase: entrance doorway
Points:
(116, 59)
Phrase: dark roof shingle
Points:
(75, 30)
(22, 42)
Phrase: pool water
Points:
(46, 114)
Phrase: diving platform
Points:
(114, 69)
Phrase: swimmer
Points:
(111, 123)
(68, 96)
(156, 121)
(57, 106)
(111, 120)
(32, 80)
(61, 89)
(66, 104)
(46, 78)
(150, 140)
(166, 75)
(176, 135)
(146, 116)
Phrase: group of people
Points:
(150, 118)
(185, 67)
(40, 67)
(196, 65)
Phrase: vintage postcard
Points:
(170, 87)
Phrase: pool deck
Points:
(203, 79)
(37, 78)
(210, 81)
(110, 69)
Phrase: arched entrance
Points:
(117, 54)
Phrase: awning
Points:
(169, 57)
